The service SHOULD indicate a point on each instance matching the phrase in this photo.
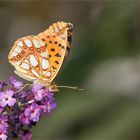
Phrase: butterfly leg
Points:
(24, 87)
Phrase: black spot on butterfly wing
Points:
(50, 42)
(53, 67)
(57, 55)
(59, 45)
(43, 39)
(63, 47)
(68, 48)
(70, 39)
(52, 49)
(56, 62)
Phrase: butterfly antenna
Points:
(70, 87)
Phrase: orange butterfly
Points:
(39, 58)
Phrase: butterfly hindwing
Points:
(30, 58)
(41, 57)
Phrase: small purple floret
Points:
(3, 122)
(3, 135)
(33, 111)
(6, 98)
(27, 135)
(38, 92)
(15, 83)
(24, 119)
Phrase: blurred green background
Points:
(104, 59)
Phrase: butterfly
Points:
(39, 58)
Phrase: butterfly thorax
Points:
(51, 86)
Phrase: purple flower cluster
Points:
(22, 108)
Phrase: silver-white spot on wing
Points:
(18, 62)
(48, 74)
(18, 49)
(25, 66)
(42, 43)
(45, 64)
(36, 43)
(20, 44)
(45, 54)
(35, 73)
(14, 53)
(33, 60)
(28, 42)
(26, 61)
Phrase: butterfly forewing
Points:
(56, 38)
(40, 57)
